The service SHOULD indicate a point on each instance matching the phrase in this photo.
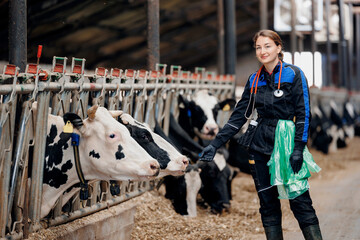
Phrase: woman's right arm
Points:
(237, 118)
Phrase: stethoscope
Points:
(277, 93)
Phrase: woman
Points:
(278, 91)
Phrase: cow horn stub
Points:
(91, 112)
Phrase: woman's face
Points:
(266, 50)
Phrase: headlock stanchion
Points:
(149, 96)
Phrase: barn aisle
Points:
(336, 200)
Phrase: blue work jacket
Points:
(294, 104)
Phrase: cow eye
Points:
(112, 135)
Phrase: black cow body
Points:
(182, 190)
(215, 192)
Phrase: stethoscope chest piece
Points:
(278, 93)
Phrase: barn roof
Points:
(113, 33)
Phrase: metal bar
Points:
(221, 37)
(4, 164)
(342, 46)
(313, 42)
(38, 159)
(328, 78)
(153, 33)
(8, 111)
(293, 30)
(350, 79)
(56, 87)
(230, 36)
(263, 14)
(18, 33)
(357, 24)
(96, 207)
(23, 131)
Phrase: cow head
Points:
(110, 151)
(106, 151)
(198, 116)
(170, 160)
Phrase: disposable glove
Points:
(208, 153)
(296, 158)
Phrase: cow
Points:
(183, 190)
(215, 192)
(171, 161)
(327, 133)
(351, 120)
(337, 129)
(320, 130)
(198, 116)
(106, 151)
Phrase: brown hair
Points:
(273, 36)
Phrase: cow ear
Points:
(91, 112)
(74, 119)
(116, 113)
(227, 104)
(183, 103)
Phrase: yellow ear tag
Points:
(226, 108)
(68, 128)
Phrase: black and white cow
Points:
(171, 161)
(327, 133)
(351, 120)
(320, 130)
(198, 116)
(183, 190)
(215, 192)
(106, 151)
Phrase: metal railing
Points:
(148, 96)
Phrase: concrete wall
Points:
(115, 223)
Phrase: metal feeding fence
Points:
(148, 96)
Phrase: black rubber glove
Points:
(208, 153)
(296, 158)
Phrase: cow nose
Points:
(155, 168)
(185, 161)
(211, 130)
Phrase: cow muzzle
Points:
(208, 132)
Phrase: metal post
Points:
(300, 42)
(313, 43)
(328, 78)
(230, 36)
(221, 37)
(358, 51)
(18, 33)
(230, 39)
(263, 14)
(342, 48)
(350, 81)
(293, 30)
(38, 159)
(153, 34)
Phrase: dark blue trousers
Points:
(270, 208)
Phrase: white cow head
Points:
(106, 152)
(171, 161)
(198, 116)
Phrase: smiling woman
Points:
(278, 91)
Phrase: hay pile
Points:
(156, 219)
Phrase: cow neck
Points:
(84, 190)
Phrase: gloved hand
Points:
(208, 153)
(296, 158)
